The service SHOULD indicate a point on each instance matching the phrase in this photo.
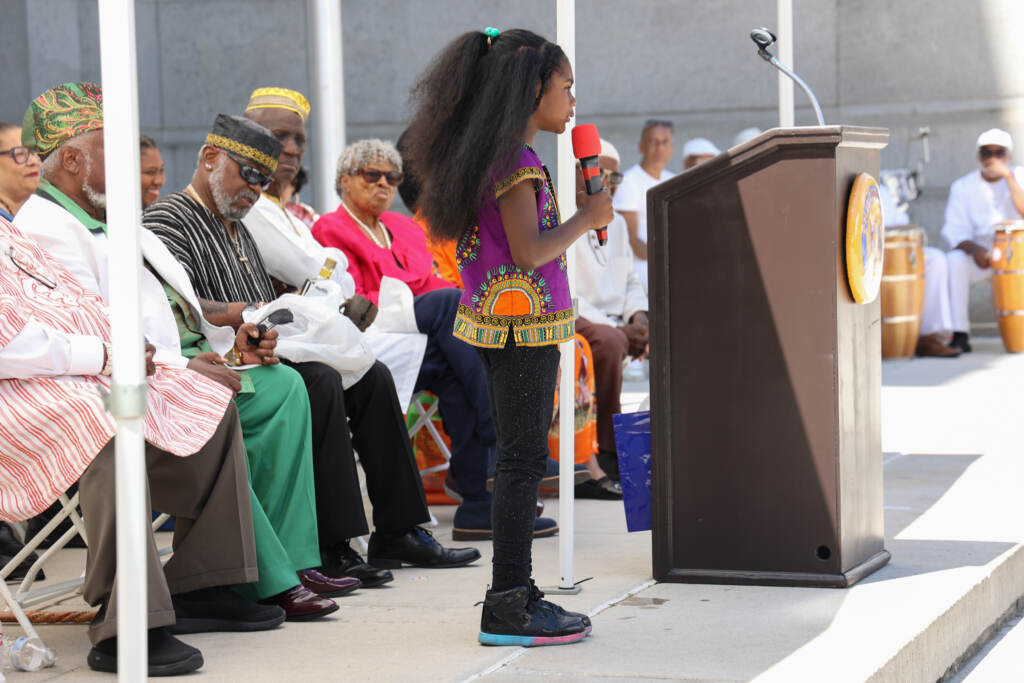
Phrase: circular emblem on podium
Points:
(865, 240)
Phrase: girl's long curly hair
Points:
(471, 108)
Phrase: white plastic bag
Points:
(319, 333)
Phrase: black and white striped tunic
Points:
(198, 239)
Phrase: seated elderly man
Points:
(202, 227)
(66, 216)
(977, 201)
(612, 318)
(55, 357)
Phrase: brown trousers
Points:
(207, 493)
(610, 347)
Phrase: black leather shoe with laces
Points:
(518, 617)
(417, 547)
(344, 561)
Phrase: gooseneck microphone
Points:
(586, 146)
(764, 38)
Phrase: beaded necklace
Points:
(366, 229)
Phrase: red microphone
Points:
(586, 146)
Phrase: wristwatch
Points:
(233, 357)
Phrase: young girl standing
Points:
(478, 108)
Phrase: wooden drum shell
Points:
(1008, 283)
(902, 293)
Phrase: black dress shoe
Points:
(11, 546)
(416, 547)
(167, 655)
(343, 561)
(221, 609)
(961, 341)
(600, 489)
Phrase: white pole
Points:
(565, 36)
(784, 31)
(128, 393)
(328, 97)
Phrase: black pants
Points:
(370, 408)
(452, 370)
(521, 383)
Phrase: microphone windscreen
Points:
(585, 141)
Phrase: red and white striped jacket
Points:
(51, 427)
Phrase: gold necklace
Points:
(367, 231)
(233, 238)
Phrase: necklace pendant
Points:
(243, 259)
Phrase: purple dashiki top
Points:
(498, 295)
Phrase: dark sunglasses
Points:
(250, 174)
(613, 177)
(985, 153)
(20, 154)
(373, 175)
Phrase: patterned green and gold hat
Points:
(246, 139)
(61, 113)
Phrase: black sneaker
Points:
(11, 546)
(961, 341)
(342, 560)
(537, 595)
(167, 655)
(221, 609)
(518, 617)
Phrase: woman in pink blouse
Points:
(379, 242)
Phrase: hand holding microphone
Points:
(586, 146)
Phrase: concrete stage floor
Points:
(954, 513)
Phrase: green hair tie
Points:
(491, 33)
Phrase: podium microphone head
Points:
(762, 37)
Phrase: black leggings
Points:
(521, 383)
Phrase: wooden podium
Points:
(765, 374)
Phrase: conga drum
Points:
(902, 293)
(1008, 282)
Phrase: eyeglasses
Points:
(998, 153)
(38, 277)
(373, 175)
(250, 174)
(20, 154)
(613, 177)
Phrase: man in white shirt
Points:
(988, 195)
(656, 149)
(612, 318)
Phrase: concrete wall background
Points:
(945, 64)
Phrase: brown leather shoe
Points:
(931, 345)
(302, 604)
(328, 586)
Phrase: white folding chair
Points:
(24, 596)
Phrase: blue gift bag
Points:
(633, 443)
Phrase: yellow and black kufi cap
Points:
(246, 139)
(279, 98)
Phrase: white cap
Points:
(995, 136)
(608, 150)
(746, 134)
(699, 147)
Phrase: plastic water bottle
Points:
(30, 654)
